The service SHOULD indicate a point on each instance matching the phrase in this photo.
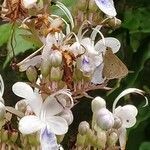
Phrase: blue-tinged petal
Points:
(107, 7)
(87, 66)
(57, 125)
(30, 124)
(97, 77)
(48, 140)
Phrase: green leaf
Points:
(20, 44)
(145, 146)
(137, 20)
(5, 31)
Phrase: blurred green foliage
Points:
(134, 35)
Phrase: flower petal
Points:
(97, 77)
(36, 103)
(30, 124)
(48, 140)
(111, 42)
(107, 7)
(31, 62)
(127, 114)
(57, 125)
(67, 115)
(23, 90)
(52, 106)
(29, 4)
(122, 138)
(88, 44)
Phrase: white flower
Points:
(89, 59)
(29, 3)
(46, 118)
(100, 47)
(106, 6)
(127, 114)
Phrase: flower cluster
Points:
(70, 62)
(108, 127)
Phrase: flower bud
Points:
(55, 74)
(67, 115)
(92, 6)
(21, 106)
(80, 140)
(77, 75)
(81, 4)
(57, 23)
(45, 67)
(33, 140)
(104, 119)
(55, 58)
(91, 138)
(31, 74)
(29, 3)
(114, 23)
(2, 110)
(112, 139)
(117, 122)
(101, 139)
(98, 103)
(83, 127)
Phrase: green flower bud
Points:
(80, 140)
(45, 68)
(33, 140)
(83, 127)
(78, 75)
(98, 103)
(31, 74)
(55, 58)
(101, 139)
(112, 139)
(114, 23)
(92, 6)
(91, 137)
(55, 74)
